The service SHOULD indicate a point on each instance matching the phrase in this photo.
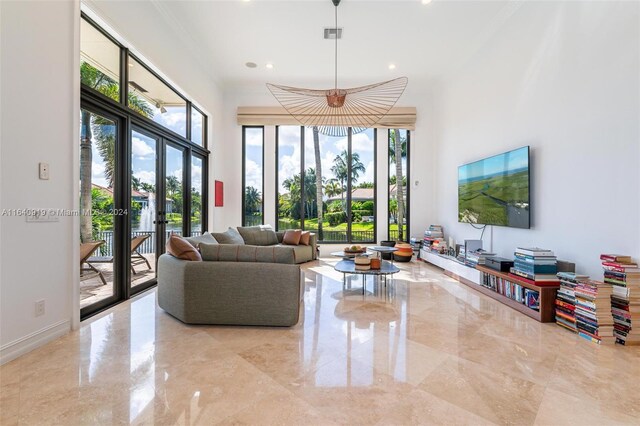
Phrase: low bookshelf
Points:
(546, 312)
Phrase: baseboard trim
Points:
(25, 344)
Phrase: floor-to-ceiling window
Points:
(253, 175)
(143, 167)
(399, 143)
(327, 184)
(288, 177)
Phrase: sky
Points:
(143, 165)
(289, 150)
(289, 154)
(507, 161)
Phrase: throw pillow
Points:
(231, 236)
(305, 237)
(205, 238)
(182, 249)
(261, 235)
(292, 237)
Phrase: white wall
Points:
(38, 124)
(562, 77)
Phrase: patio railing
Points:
(148, 246)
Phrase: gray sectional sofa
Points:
(236, 284)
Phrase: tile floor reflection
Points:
(425, 351)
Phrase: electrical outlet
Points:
(44, 171)
(39, 308)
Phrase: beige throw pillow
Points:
(292, 237)
(182, 249)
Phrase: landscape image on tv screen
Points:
(495, 191)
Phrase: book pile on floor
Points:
(434, 239)
(536, 266)
(566, 300)
(624, 276)
(593, 311)
(477, 258)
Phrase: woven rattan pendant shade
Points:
(334, 111)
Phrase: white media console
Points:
(451, 266)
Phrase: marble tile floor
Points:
(428, 350)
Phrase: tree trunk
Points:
(399, 188)
(319, 207)
(86, 158)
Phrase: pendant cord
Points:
(336, 56)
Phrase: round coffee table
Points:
(384, 250)
(348, 267)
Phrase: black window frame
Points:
(349, 186)
(92, 100)
(244, 170)
(408, 196)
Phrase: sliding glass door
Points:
(101, 201)
(144, 212)
(157, 204)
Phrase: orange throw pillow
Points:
(292, 237)
(305, 237)
(182, 249)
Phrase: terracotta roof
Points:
(134, 193)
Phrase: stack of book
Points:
(477, 258)
(624, 276)
(434, 239)
(566, 300)
(593, 311)
(536, 266)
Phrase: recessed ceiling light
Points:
(269, 66)
(251, 65)
(392, 66)
(426, 1)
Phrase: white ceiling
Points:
(425, 42)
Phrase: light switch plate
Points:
(44, 171)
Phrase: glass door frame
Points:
(120, 203)
(126, 119)
(160, 221)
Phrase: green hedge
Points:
(336, 218)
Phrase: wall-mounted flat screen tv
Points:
(495, 190)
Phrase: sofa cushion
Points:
(206, 238)
(230, 236)
(305, 237)
(182, 249)
(302, 253)
(258, 235)
(292, 237)
(247, 253)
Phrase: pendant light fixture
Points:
(334, 111)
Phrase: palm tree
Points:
(340, 169)
(398, 151)
(135, 183)
(332, 188)
(147, 187)
(316, 148)
(173, 186)
(252, 200)
(102, 130)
